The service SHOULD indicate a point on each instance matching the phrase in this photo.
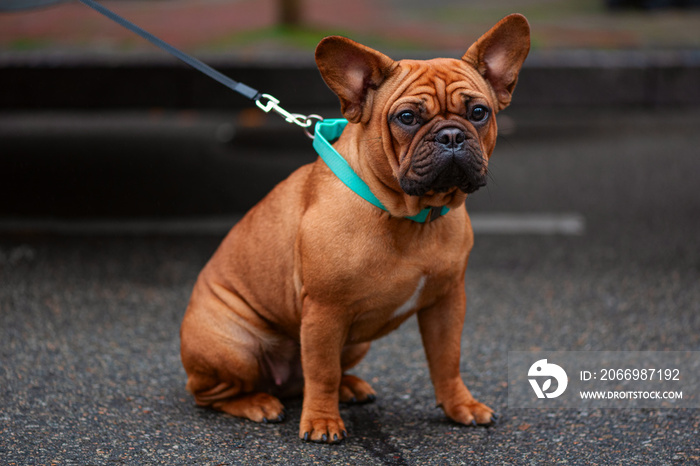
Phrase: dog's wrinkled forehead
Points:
(440, 85)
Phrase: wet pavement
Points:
(89, 364)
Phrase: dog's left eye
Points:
(407, 118)
(479, 113)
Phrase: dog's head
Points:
(434, 118)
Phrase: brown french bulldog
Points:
(313, 273)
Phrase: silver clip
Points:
(272, 104)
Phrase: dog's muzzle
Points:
(445, 159)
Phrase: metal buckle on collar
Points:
(435, 213)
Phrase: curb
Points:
(575, 78)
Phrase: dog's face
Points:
(442, 128)
(435, 118)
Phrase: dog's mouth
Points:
(455, 177)
(446, 160)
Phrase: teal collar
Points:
(330, 130)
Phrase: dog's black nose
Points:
(450, 137)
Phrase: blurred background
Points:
(248, 28)
(97, 122)
(121, 169)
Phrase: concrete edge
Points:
(566, 78)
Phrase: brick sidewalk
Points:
(248, 26)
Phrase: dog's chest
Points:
(391, 306)
(410, 305)
(379, 275)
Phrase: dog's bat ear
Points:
(499, 54)
(352, 71)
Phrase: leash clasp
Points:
(272, 104)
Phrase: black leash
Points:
(241, 88)
(270, 103)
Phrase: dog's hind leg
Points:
(223, 360)
(234, 398)
(353, 389)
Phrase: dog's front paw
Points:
(471, 413)
(321, 430)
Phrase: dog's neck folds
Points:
(329, 130)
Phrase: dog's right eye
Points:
(407, 118)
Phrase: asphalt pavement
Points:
(89, 363)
